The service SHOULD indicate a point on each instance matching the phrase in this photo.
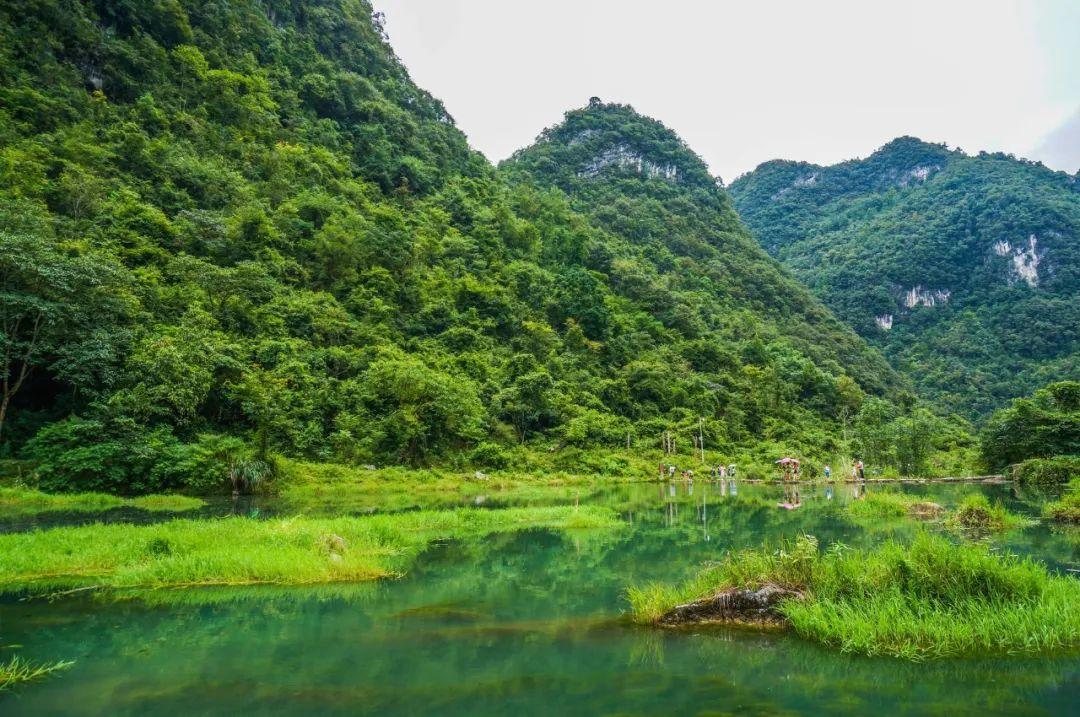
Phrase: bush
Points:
(490, 455)
(77, 455)
(1048, 471)
(213, 464)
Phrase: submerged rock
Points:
(736, 605)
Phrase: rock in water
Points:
(737, 605)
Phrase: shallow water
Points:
(527, 623)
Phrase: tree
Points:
(58, 309)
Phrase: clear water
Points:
(522, 624)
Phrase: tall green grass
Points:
(923, 600)
(1067, 508)
(975, 512)
(244, 551)
(24, 501)
(17, 671)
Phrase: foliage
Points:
(970, 262)
(1048, 471)
(924, 600)
(1043, 426)
(244, 222)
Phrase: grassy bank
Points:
(17, 671)
(928, 599)
(244, 551)
(21, 501)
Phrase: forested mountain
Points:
(964, 270)
(239, 228)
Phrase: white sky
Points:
(745, 81)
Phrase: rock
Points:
(925, 510)
(334, 544)
(480, 476)
(370, 467)
(737, 605)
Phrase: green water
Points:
(528, 623)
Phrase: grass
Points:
(975, 512)
(245, 551)
(923, 600)
(17, 671)
(1067, 508)
(22, 501)
(881, 505)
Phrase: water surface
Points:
(527, 623)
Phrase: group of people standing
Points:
(718, 471)
(858, 472)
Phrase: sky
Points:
(747, 81)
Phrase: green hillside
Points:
(229, 230)
(964, 270)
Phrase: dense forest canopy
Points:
(233, 230)
(964, 270)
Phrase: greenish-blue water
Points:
(527, 623)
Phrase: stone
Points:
(736, 605)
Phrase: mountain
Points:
(229, 230)
(964, 270)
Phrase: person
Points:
(828, 472)
(854, 471)
(671, 471)
(862, 473)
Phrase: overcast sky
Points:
(745, 81)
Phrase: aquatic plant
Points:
(976, 512)
(920, 600)
(244, 551)
(17, 671)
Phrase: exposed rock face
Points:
(1025, 260)
(917, 174)
(737, 605)
(918, 296)
(622, 155)
(884, 321)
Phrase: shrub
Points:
(1048, 471)
(106, 456)
(490, 455)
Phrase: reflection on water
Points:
(526, 623)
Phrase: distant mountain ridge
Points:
(964, 269)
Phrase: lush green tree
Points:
(1043, 426)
